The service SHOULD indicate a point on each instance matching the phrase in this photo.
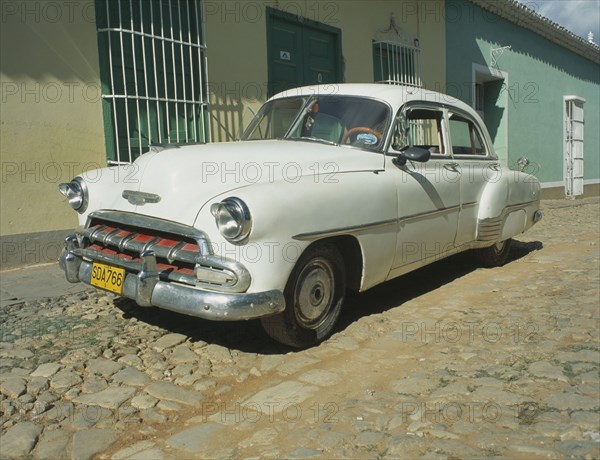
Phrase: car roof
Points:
(395, 95)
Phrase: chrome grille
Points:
(184, 256)
(138, 241)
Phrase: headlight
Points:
(233, 218)
(77, 193)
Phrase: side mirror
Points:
(413, 154)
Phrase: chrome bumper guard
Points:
(147, 289)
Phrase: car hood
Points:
(185, 178)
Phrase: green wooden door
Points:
(301, 52)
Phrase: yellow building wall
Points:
(51, 124)
(51, 117)
(236, 35)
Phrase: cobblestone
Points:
(20, 439)
(88, 443)
(52, 444)
(172, 392)
(450, 361)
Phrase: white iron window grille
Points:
(153, 72)
(397, 64)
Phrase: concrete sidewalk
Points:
(35, 282)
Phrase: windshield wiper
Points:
(313, 139)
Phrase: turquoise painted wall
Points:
(540, 73)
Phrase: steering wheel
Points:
(361, 129)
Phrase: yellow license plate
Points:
(108, 277)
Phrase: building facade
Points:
(94, 83)
(91, 84)
(281, 44)
(51, 122)
(535, 84)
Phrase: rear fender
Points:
(507, 206)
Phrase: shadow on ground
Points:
(414, 284)
(248, 336)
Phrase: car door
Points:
(428, 193)
(478, 165)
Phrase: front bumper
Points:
(147, 289)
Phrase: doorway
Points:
(573, 150)
(301, 52)
(490, 101)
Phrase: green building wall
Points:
(525, 111)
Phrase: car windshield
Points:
(337, 120)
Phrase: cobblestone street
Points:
(451, 361)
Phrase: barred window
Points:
(396, 64)
(153, 73)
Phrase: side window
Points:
(425, 130)
(466, 139)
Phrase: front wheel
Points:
(314, 295)
(496, 255)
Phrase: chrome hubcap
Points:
(314, 293)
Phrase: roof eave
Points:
(523, 16)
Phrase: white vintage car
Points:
(331, 188)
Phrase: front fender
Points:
(284, 212)
(105, 187)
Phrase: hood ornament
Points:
(140, 198)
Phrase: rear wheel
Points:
(314, 295)
(496, 255)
